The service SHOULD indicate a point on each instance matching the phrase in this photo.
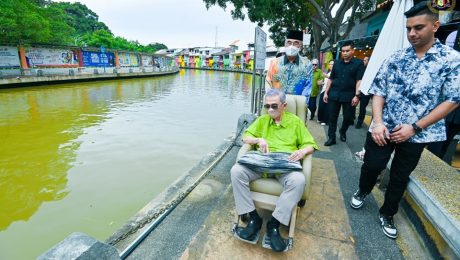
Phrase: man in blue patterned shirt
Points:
(292, 73)
(414, 90)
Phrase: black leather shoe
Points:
(359, 125)
(251, 230)
(329, 142)
(343, 137)
(277, 243)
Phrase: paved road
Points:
(327, 228)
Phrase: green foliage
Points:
(81, 18)
(108, 40)
(61, 32)
(156, 46)
(283, 15)
(47, 22)
(43, 3)
(280, 15)
(23, 21)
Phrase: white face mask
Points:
(291, 50)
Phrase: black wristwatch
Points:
(417, 129)
(357, 95)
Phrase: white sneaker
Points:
(357, 200)
(388, 227)
(323, 123)
(360, 154)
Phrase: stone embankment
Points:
(47, 76)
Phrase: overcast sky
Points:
(175, 23)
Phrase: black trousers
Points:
(323, 113)
(334, 110)
(312, 106)
(363, 102)
(440, 148)
(406, 158)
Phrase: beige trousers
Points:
(293, 183)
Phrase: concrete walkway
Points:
(327, 228)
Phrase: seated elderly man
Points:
(277, 131)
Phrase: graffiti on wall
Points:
(128, 59)
(9, 57)
(147, 61)
(98, 59)
(47, 57)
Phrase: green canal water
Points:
(87, 156)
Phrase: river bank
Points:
(40, 77)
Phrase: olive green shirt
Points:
(290, 135)
(317, 75)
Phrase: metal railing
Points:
(257, 98)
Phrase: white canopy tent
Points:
(392, 38)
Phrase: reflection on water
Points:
(97, 152)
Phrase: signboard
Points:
(260, 48)
(128, 59)
(98, 59)
(9, 57)
(306, 39)
(46, 57)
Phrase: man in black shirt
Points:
(364, 101)
(343, 91)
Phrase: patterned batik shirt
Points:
(287, 75)
(413, 87)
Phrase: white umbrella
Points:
(392, 38)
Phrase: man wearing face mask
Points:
(291, 72)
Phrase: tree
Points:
(282, 15)
(62, 32)
(108, 40)
(81, 18)
(42, 3)
(99, 38)
(157, 46)
(44, 21)
(23, 21)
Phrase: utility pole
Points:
(215, 43)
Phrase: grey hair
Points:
(276, 92)
(314, 60)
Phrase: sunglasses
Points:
(273, 106)
(315, 64)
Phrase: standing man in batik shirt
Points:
(291, 72)
(414, 90)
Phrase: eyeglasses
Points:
(273, 106)
(295, 43)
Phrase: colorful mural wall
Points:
(147, 60)
(128, 59)
(98, 59)
(9, 57)
(47, 57)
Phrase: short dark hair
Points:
(348, 43)
(422, 9)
